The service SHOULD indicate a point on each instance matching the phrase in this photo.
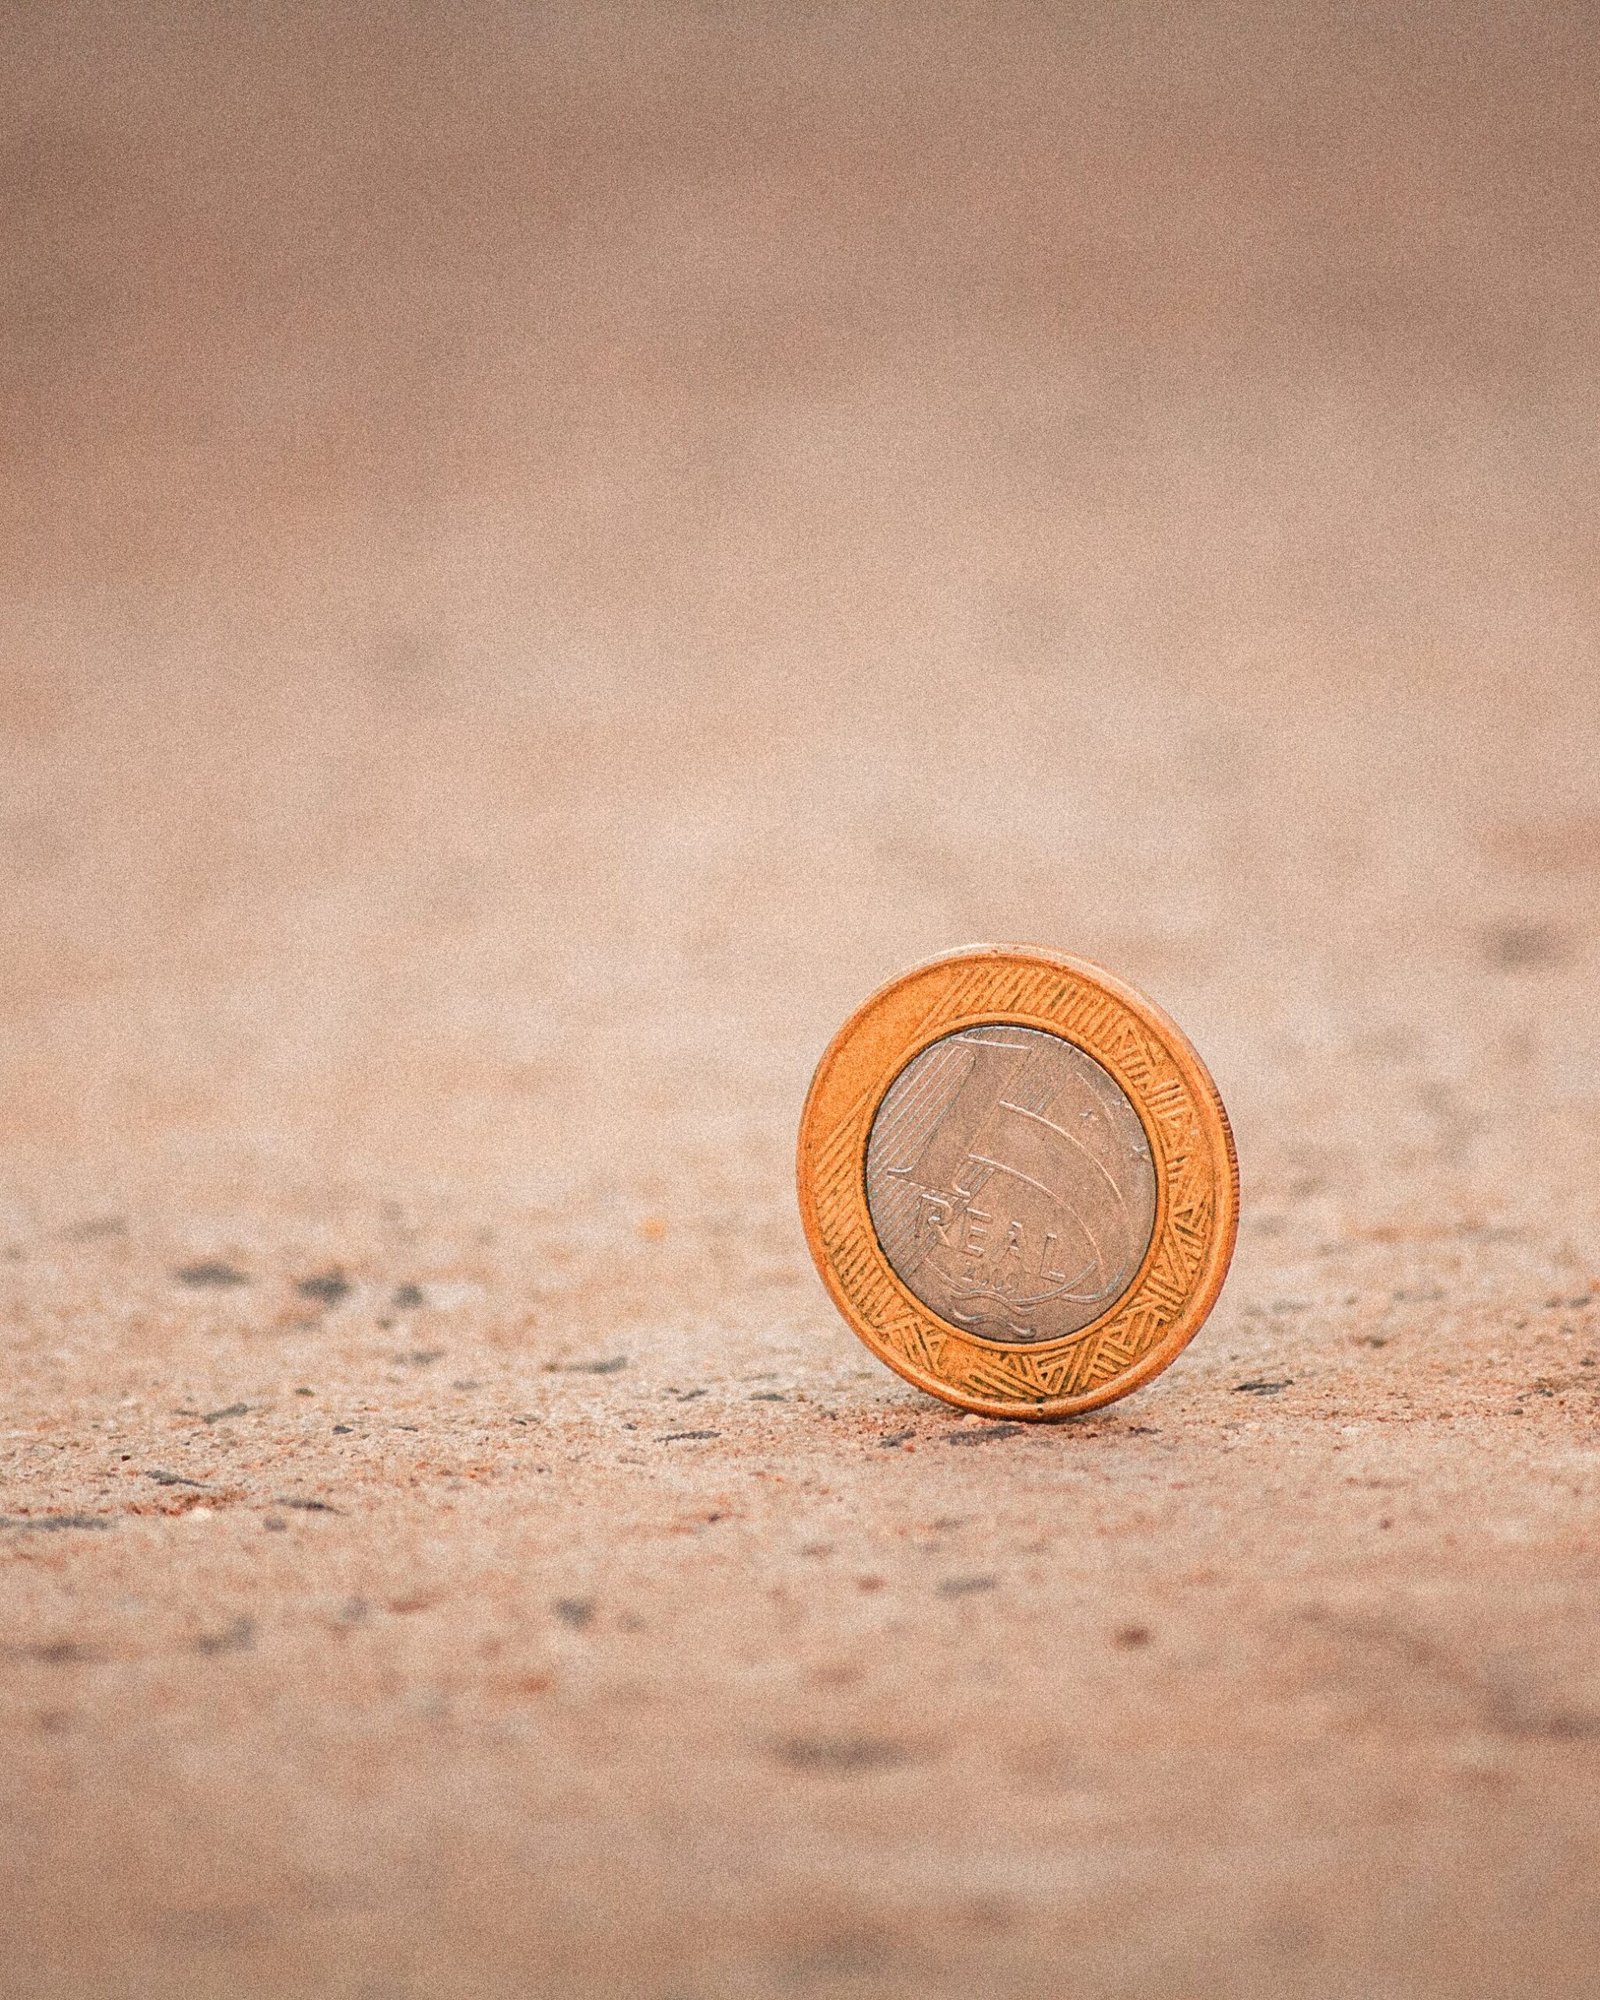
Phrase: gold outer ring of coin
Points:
(1191, 1147)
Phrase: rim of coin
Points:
(1158, 1311)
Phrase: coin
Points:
(1018, 1181)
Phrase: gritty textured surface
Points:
(542, 562)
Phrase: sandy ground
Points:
(546, 554)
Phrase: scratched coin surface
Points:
(1018, 1181)
(1010, 1183)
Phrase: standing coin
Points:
(1018, 1182)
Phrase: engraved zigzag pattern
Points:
(835, 1150)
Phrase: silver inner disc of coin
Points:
(1010, 1183)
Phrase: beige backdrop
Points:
(546, 551)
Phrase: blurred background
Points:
(546, 546)
(546, 550)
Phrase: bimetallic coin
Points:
(1018, 1182)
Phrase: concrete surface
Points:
(546, 553)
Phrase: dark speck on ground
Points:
(838, 1756)
(95, 1228)
(236, 1637)
(1514, 946)
(211, 1271)
(329, 1287)
(48, 1523)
